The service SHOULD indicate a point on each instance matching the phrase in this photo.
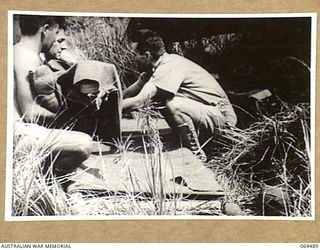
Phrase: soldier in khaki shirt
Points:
(196, 105)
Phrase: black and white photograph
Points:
(158, 116)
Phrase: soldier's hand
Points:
(67, 57)
(143, 77)
(100, 98)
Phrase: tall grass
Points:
(35, 189)
(103, 39)
(147, 117)
(266, 168)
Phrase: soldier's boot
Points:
(189, 139)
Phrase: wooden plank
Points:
(130, 126)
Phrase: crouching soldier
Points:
(195, 104)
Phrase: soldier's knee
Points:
(173, 106)
(84, 148)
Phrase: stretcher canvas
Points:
(183, 175)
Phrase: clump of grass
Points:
(35, 189)
(274, 153)
(147, 118)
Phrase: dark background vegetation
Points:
(246, 54)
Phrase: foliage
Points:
(272, 152)
(36, 191)
(103, 39)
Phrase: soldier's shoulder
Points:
(25, 55)
(20, 50)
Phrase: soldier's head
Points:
(147, 46)
(47, 27)
(59, 45)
